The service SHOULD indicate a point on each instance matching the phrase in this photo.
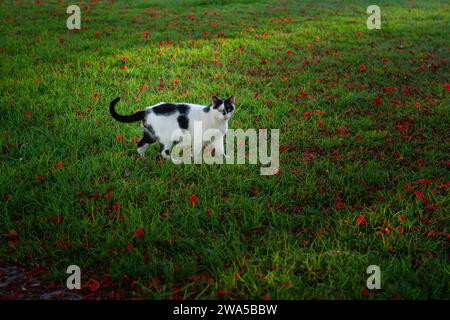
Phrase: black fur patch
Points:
(168, 109)
(183, 122)
(183, 108)
(206, 109)
(218, 104)
(228, 106)
(165, 109)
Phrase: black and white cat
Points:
(161, 120)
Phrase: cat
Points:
(161, 120)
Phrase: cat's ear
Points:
(215, 101)
(231, 99)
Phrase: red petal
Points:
(94, 285)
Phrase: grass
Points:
(73, 190)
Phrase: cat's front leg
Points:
(219, 146)
(197, 145)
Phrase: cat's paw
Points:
(141, 152)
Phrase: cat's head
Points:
(223, 108)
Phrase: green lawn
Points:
(364, 168)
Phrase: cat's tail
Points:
(138, 116)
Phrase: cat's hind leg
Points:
(146, 140)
